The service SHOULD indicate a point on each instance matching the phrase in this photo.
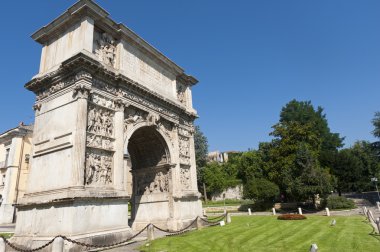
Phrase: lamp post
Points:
(374, 180)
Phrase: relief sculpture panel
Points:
(153, 182)
(185, 177)
(181, 93)
(105, 48)
(100, 121)
(184, 150)
(99, 141)
(98, 167)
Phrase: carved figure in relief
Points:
(166, 128)
(185, 178)
(184, 146)
(153, 183)
(91, 120)
(108, 124)
(107, 144)
(97, 141)
(183, 132)
(102, 101)
(134, 116)
(181, 94)
(93, 166)
(100, 121)
(98, 169)
(106, 49)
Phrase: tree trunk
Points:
(204, 192)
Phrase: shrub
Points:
(256, 206)
(291, 217)
(260, 190)
(339, 202)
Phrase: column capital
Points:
(120, 104)
(81, 91)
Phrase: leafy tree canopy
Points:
(201, 147)
(304, 112)
(260, 190)
(355, 166)
(376, 124)
(292, 161)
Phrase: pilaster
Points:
(81, 93)
(118, 166)
(87, 33)
(193, 164)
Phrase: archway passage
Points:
(150, 159)
(147, 148)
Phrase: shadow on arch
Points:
(149, 161)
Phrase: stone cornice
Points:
(88, 8)
(83, 62)
(15, 132)
(187, 79)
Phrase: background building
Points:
(15, 149)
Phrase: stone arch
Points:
(149, 154)
(132, 129)
(147, 148)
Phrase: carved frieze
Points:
(146, 103)
(104, 86)
(152, 182)
(99, 142)
(54, 88)
(105, 48)
(100, 121)
(45, 92)
(185, 177)
(184, 132)
(134, 115)
(184, 146)
(98, 167)
(102, 101)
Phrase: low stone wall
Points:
(221, 208)
(230, 193)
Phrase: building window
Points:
(6, 156)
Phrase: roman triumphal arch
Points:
(113, 126)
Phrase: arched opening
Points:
(149, 158)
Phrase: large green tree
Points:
(376, 124)
(201, 150)
(201, 147)
(355, 166)
(292, 161)
(304, 112)
(214, 177)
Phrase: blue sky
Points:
(250, 57)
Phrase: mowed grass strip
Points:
(266, 233)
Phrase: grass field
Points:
(266, 233)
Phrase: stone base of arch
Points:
(173, 214)
(98, 221)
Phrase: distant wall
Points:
(230, 193)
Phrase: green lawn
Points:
(266, 233)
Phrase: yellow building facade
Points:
(15, 157)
